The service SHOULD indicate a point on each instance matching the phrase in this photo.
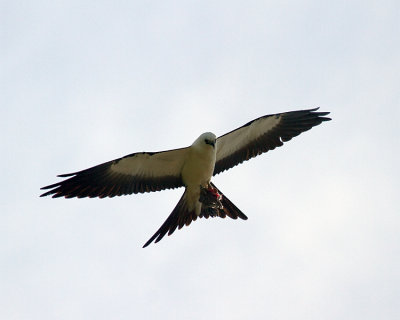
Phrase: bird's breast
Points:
(198, 167)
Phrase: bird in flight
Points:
(191, 167)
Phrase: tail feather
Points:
(181, 216)
(229, 209)
(177, 219)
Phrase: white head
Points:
(207, 139)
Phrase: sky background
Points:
(84, 82)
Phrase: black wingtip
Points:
(51, 186)
(46, 193)
(321, 115)
(65, 175)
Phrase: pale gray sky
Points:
(84, 82)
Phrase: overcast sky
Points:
(84, 82)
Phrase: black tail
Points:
(177, 219)
(180, 216)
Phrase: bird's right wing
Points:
(134, 173)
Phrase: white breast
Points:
(199, 166)
(197, 171)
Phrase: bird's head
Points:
(206, 139)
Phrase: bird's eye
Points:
(210, 142)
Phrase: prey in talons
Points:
(210, 197)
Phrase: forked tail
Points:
(181, 216)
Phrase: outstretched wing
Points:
(134, 173)
(263, 134)
(181, 216)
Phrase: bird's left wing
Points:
(263, 134)
(134, 173)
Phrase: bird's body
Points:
(191, 167)
(198, 169)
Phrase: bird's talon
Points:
(210, 197)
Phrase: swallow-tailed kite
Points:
(191, 167)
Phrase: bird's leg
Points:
(214, 192)
(210, 197)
